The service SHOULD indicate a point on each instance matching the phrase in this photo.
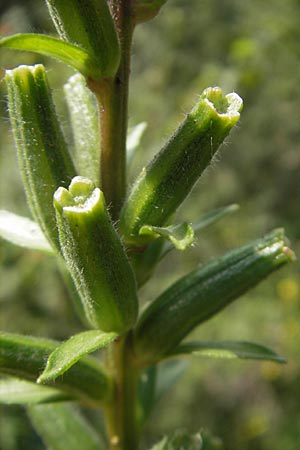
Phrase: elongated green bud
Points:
(95, 257)
(201, 294)
(89, 24)
(43, 156)
(145, 10)
(167, 180)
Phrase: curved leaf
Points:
(23, 232)
(181, 236)
(71, 351)
(228, 350)
(65, 52)
(62, 427)
(25, 356)
(134, 137)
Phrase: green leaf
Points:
(71, 351)
(228, 350)
(62, 427)
(213, 216)
(154, 382)
(198, 296)
(181, 235)
(25, 356)
(65, 52)
(18, 392)
(134, 137)
(23, 232)
(83, 111)
(90, 25)
(180, 440)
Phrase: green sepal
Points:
(62, 426)
(228, 350)
(65, 52)
(201, 294)
(84, 119)
(23, 232)
(164, 184)
(181, 236)
(90, 25)
(68, 353)
(43, 156)
(180, 440)
(19, 392)
(25, 356)
(144, 10)
(95, 257)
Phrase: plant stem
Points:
(112, 95)
(122, 415)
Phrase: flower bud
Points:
(95, 257)
(201, 294)
(42, 152)
(164, 184)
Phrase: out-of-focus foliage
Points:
(251, 47)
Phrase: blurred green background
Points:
(253, 48)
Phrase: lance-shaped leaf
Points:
(201, 294)
(71, 351)
(90, 25)
(70, 54)
(154, 382)
(23, 232)
(134, 137)
(145, 10)
(95, 257)
(181, 236)
(25, 356)
(19, 392)
(85, 127)
(62, 427)
(43, 157)
(164, 184)
(228, 350)
(180, 440)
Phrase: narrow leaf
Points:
(134, 137)
(181, 236)
(85, 127)
(228, 350)
(24, 357)
(90, 25)
(71, 351)
(23, 232)
(213, 216)
(18, 392)
(155, 382)
(65, 52)
(62, 427)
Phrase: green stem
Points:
(112, 95)
(122, 415)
